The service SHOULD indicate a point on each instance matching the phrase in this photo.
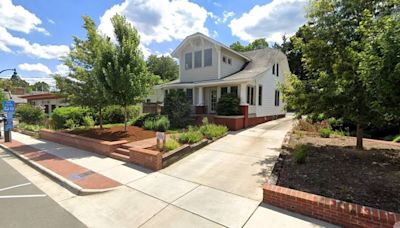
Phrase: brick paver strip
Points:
(85, 178)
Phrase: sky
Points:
(34, 35)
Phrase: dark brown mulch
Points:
(334, 168)
(116, 133)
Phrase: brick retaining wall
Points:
(148, 158)
(328, 209)
(84, 143)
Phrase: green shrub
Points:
(30, 127)
(300, 154)
(212, 131)
(60, 116)
(88, 122)
(70, 124)
(29, 114)
(228, 105)
(178, 108)
(190, 136)
(157, 124)
(148, 125)
(204, 121)
(325, 132)
(139, 121)
(115, 114)
(171, 144)
(396, 139)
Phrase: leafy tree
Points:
(82, 86)
(256, 44)
(123, 71)
(2, 98)
(331, 44)
(164, 66)
(178, 108)
(40, 86)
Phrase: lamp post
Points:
(9, 110)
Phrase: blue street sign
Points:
(9, 125)
(9, 106)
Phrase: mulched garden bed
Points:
(334, 168)
(116, 133)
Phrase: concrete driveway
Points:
(238, 163)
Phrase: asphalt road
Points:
(22, 204)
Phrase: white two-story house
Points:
(209, 69)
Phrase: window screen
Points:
(197, 59)
(188, 61)
(234, 90)
(208, 57)
(224, 90)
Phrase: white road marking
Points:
(22, 196)
(15, 186)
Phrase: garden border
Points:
(328, 209)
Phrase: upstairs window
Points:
(197, 59)
(224, 59)
(277, 69)
(229, 61)
(277, 97)
(260, 95)
(208, 57)
(188, 61)
(273, 69)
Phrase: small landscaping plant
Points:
(213, 131)
(228, 105)
(171, 144)
(300, 154)
(29, 114)
(88, 122)
(115, 113)
(70, 124)
(60, 116)
(160, 124)
(190, 136)
(325, 132)
(30, 127)
(139, 122)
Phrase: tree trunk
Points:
(101, 118)
(359, 137)
(125, 117)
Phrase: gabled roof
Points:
(198, 34)
(40, 96)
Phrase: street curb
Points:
(72, 187)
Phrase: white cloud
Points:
(62, 69)
(215, 34)
(7, 40)
(158, 20)
(221, 20)
(271, 20)
(17, 18)
(51, 21)
(37, 67)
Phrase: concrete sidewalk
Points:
(213, 187)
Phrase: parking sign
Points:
(9, 106)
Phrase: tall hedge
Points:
(178, 108)
(228, 105)
(115, 113)
(29, 114)
(60, 116)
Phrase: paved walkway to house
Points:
(217, 186)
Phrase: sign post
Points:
(9, 108)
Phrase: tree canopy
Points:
(81, 86)
(350, 62)
(164, 66)
(122, 70)
(40, 86)
(254, 45)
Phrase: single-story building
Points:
(46, 100)
(209, 69)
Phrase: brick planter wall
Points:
(84, 143)
(328, 209)
(234, 123)
(148, 158)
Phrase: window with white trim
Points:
(197, 59)
(260, 95)
(277, 97)
(208, 57)
(188, 61)
(277, 69)
(250, 95)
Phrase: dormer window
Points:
(273, 69)
(188, 61)
(197, 59)
(224, 59)
(208, 57)
(277, 69)
(229, 61)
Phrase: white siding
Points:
(236, 64)
(270, 83)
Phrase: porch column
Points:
(244, 107)
(200, 108)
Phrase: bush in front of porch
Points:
(228, 105)
(178, 108)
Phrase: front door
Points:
(213, 100)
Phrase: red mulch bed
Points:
(116, 133)
(334, 168)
